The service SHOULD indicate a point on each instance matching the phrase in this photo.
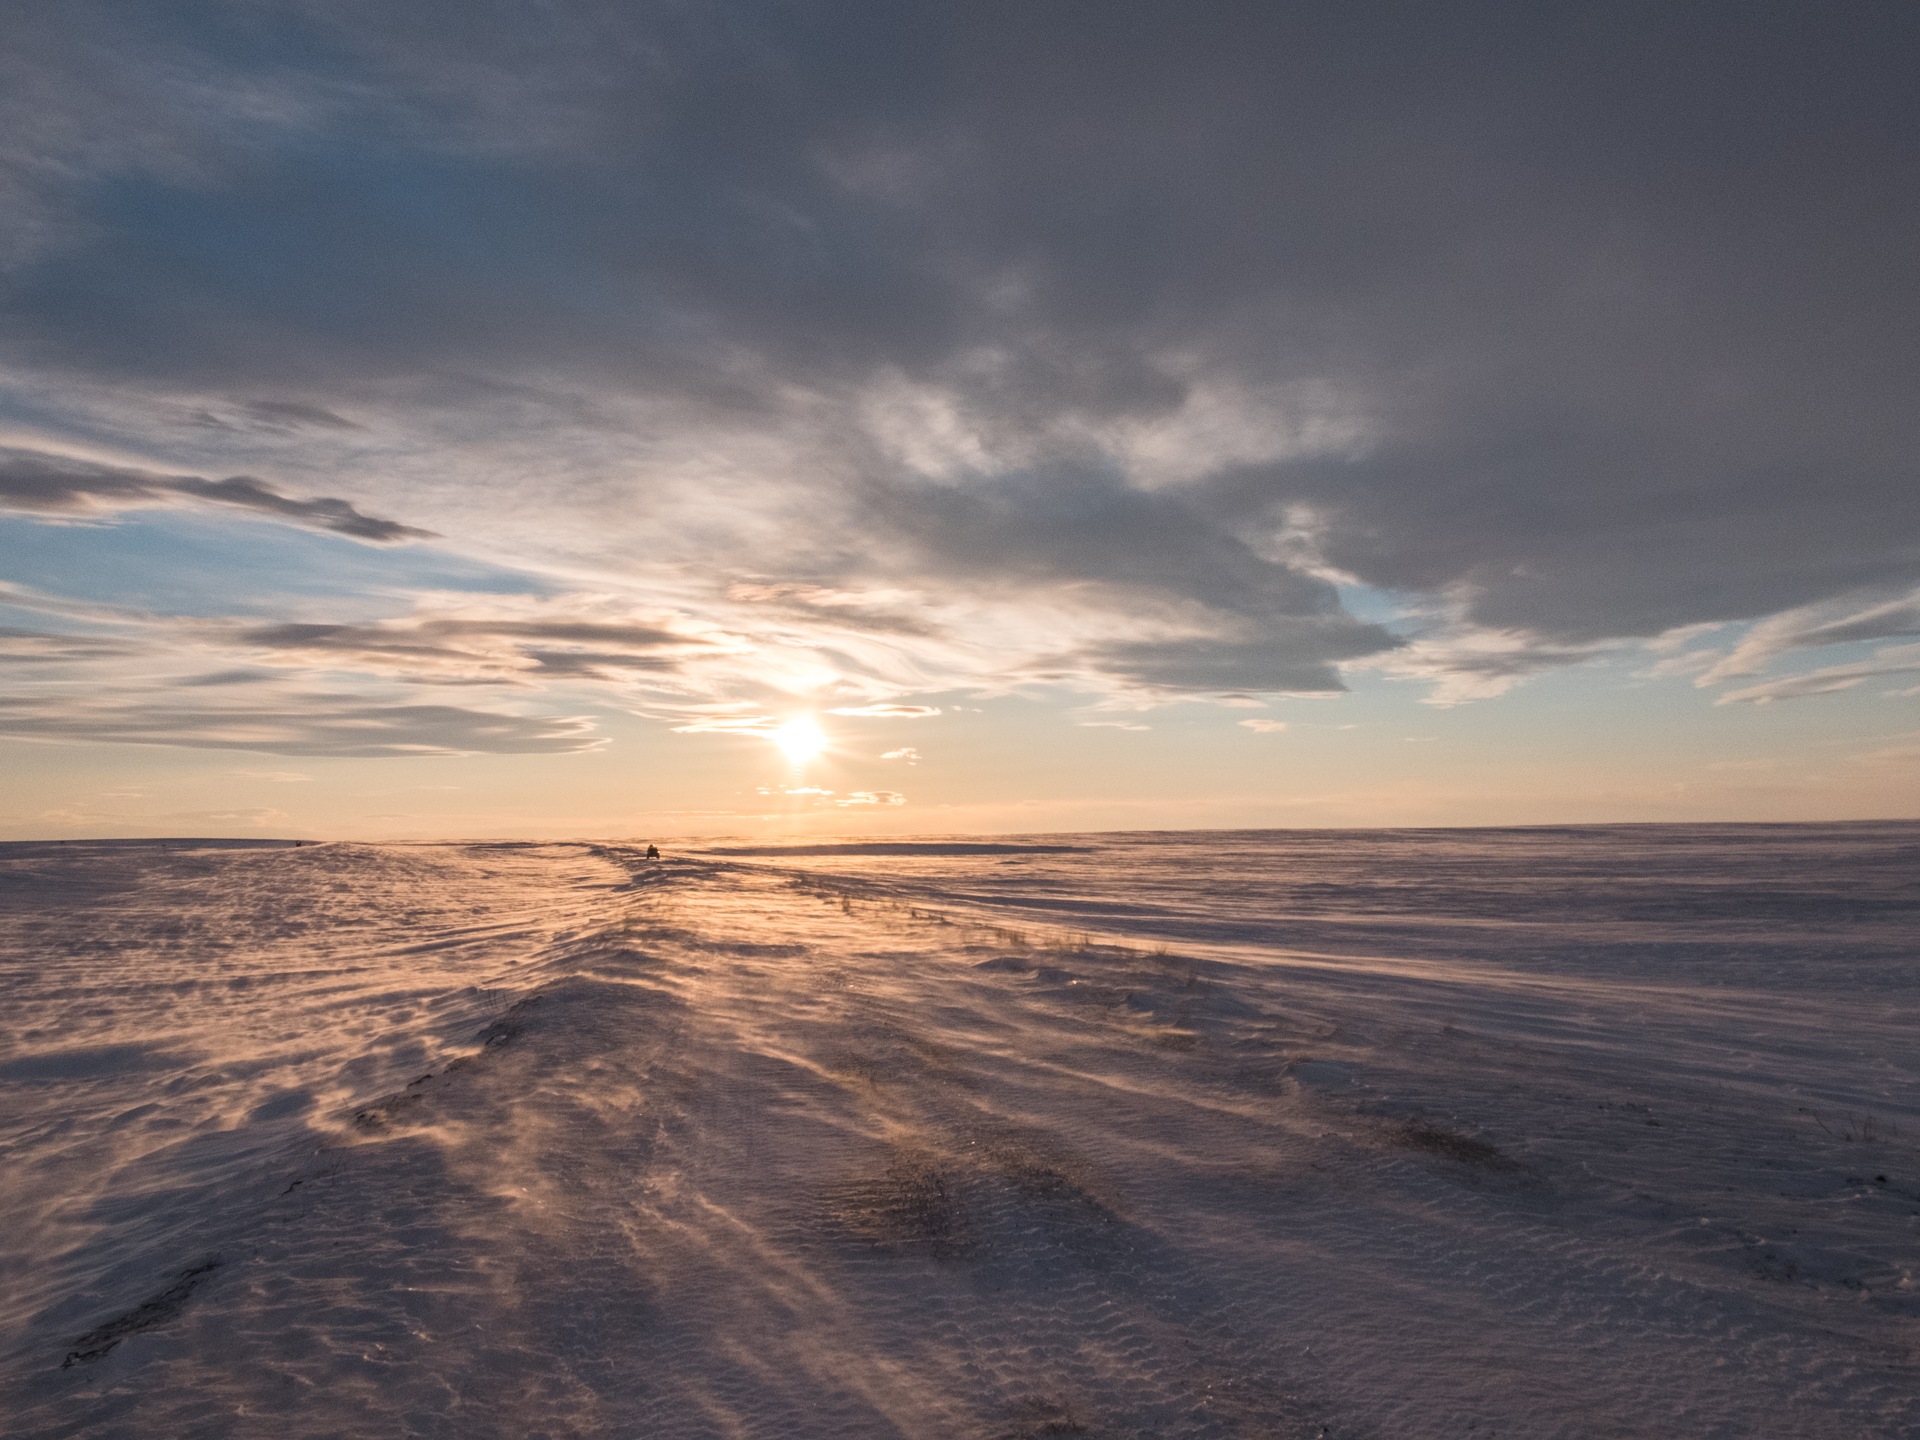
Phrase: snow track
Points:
(549, 1141)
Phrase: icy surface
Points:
(1586, 1132)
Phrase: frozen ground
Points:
(1590, 1132)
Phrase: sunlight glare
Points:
(800, 739)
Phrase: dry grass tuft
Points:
(1038, 1417)
(1860, 1129)
(1451, 1145)
(98, 1343)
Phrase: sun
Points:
(800, 739)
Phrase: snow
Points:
(1576, 1132)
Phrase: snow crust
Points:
(1582, 1132)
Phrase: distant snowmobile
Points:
(653, 852)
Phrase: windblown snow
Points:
(1527, 1133)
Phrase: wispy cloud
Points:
(763, 727)
(43, 484)
(1463, 662)
(1846, 620)
(41, 647)
(1829, 679)
(818, 797)
(882, 710)
(533, 639)
(333, 725)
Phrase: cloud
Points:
(888, 711)
(274, 415)
(1265, 727)
(1841, 622)
(126, 681)
(906, 754)
(600, 647)
(225, 677)
(1168, 598)
(340, 726)
(760, 727)
(1298, 661)
(883, 611)
(1464, 662)
(65, 607)
(944, 355)
(860, 799)
(1686, 662)
(42, 484)
(532, 640)
(42, 647)
(1829, 680)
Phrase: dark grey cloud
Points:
(56, 485)
(40, 646)
(307, 725)
(274, 415)
(1881, 622)
(1086, 527)
(214, 678)
(486, 650)
(295, 413)
(1287, 660)
(320, 513)
(1619, 299)
(1082, 534)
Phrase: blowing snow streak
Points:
(1544, 1133)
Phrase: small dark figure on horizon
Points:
(653, 852)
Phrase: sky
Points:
(673, 419)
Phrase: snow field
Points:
(1207, 1136)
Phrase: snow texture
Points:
(1528, 1133)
